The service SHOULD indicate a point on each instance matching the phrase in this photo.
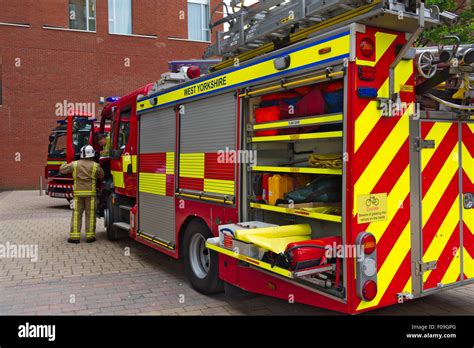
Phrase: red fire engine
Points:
(314, 164)
(65, 143)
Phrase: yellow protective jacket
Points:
(85, 174)
(106, 150)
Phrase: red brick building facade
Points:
(44, 62)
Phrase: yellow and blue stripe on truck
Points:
(314, 54)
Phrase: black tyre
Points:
(112, 214)
(201, 264)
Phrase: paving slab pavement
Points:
(127, 278)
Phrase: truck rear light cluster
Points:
(367, 73)
(367, 47)
(366, 266)
(369, 290)
(368, 243)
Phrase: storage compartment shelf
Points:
(299, 212)
(297, 137)
(213, 244)
(302, 170)
(300, 122)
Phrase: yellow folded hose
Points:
(275, 232)
(326, 161)
(324, 210)
(275, 238)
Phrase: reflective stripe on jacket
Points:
(85, 174)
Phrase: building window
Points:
(82, 14)
(198, 20)
(120, 17)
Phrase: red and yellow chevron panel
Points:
(156, 174)
(381, 165)
(468, 186)
(204, 172)
(440, 210)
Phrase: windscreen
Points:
(80, 133)
(58, 145)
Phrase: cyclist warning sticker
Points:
(372, 208)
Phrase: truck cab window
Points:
(80, 133)
(58, 145)
(80, 139)
(124, 128)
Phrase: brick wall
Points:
(42, 67)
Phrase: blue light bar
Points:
(62, 122)
(366, 92)
(112, 99)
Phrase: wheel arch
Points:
(190, 219)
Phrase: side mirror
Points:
(49, 148)
(116, 154)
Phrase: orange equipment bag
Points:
(278, 186)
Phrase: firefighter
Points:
(85, 173)
(104, 142)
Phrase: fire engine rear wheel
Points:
(200, 263)
(112, 214)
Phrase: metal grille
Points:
(157, 216)
(158, 131)
(156, 212)
(208, 125)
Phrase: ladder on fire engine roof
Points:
(271, 24)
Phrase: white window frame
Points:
(88, 17)
(88, 14)
(115, 16)
(204, 29)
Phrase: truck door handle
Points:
(468, 200)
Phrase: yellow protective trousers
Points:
(87, 205)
